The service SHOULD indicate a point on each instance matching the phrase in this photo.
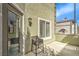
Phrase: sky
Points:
(66, 10)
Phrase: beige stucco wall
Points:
(34, 11)
(21, 5)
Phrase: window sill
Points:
(46, 38)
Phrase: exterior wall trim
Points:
(50, 37)
(4, 16)
(17, 7)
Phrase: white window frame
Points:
(45, 38)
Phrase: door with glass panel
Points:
(13, 33)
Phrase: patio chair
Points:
(38, 43)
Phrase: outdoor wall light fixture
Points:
(30, 21)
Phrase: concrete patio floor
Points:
(58, 49)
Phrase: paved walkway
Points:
(64, 49)
(58, 49)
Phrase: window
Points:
(44, 28)
(47, 29)
(13, 18)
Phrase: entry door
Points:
(13, 33)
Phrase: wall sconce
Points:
(30, 21)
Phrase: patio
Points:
(58, 49)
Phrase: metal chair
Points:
(38, 43)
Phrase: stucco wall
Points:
(34, 11)
(21, 5)
(0, 29)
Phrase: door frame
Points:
(5, 8)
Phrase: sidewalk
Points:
(63, 49)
